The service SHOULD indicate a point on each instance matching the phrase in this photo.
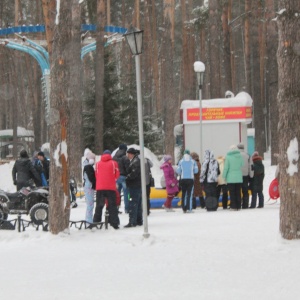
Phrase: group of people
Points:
(235, 174)
(26, 172)
(110, 176)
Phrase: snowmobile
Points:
(28, 200)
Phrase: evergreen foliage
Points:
(120, 111)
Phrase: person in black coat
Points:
(23, 171)
(134, 185)
(258, 178)
(123, 163)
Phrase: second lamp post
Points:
(134, 39)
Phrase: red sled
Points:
(274, 190)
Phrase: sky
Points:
(204, 255)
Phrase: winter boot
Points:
(194, 203)
(202, 202)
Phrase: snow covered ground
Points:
(216, 255)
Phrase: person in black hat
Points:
(23, 171)
(123, 163)
(133, 183)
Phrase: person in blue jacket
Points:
(187, 168)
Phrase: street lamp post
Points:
(199, 69)
(134, 39)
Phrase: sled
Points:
(274, 190)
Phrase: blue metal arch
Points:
(41, 28)
(34, 53)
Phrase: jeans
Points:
(260, 199)
(89, 199)
(121, 183)
(187, 186)
(135, 206)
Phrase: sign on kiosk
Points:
(221, 113)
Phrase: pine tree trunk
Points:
(75, 138)
(59, 199)
(288, 56)
(255, 91)
(188, 76)
(49, 7)
(272, 78)
(226, 70)
(214, 49)
(99, 74)
(154, 50)
(167, 72)
(232, 48)
(262, 55)
(247, 46)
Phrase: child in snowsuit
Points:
(171, 182)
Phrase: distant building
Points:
(25, 141)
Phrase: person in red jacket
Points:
(107, 172)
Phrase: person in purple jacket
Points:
(171, 182)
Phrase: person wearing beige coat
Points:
(222, 185)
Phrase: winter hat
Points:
(195, 156)
(41, 153)
(106, 152)
(91, 161)
(24, 154)
(186, 151)
(86, 151)
(123, 147)
(241, 146)
(255, 153)
(233, 147)
(167, 158)
(90, 155)
(132, 151)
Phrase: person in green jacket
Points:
(233, 175)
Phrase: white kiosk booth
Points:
(224, 123)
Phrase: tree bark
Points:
(214, 49)
(49, 9)
(167, 73)
(247, 46)
(99, 74)
(75, 103)
(226, 70)
(262, 73)
(272, 78)
(288, 56)
(59, 198)
(232, 49)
